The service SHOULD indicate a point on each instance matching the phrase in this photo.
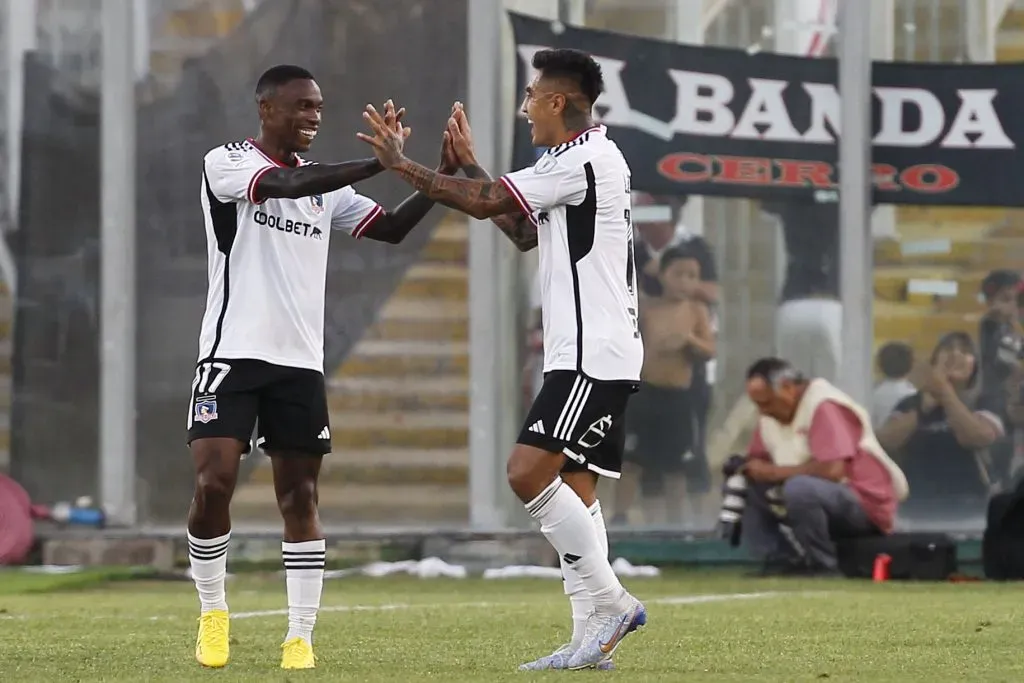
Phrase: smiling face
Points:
(290, 115)
(543, 106)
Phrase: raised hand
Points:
(389, 135)
(462, 136)
(449, 160)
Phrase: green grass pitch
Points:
(704, 626)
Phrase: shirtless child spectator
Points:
(660, 420)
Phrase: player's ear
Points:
(558, 103)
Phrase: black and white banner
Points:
(712, 121)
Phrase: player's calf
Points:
(304, 552)
(209, 535)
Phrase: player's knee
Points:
(299, 500)
(529, 470)
(214, 485)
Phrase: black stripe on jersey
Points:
(580, 224)
(224, 218)
(566, 146)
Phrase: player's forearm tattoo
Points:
(306, 181)
(479, 198)
(517, 227)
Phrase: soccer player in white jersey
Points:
(269, 216)
(574, 203)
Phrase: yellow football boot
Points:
(297, 653)
(212, 643)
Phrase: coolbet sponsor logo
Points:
(287, 225)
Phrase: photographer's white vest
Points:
(788, 444)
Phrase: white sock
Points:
(208, 558)
(579, 598)
(304, 573)
(568, 526)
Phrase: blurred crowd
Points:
(955, 420)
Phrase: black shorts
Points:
(662, 426)
(581, 418)
(230, 395)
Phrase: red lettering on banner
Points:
(794, 173)
(686, 167)
(689, 167)
(929, 178)
(744, 171)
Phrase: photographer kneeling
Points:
(814, 472)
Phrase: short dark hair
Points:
(277, 76)
(773, 371)
(997, 281)
(574, 65)
(895, 360)
(673, 254)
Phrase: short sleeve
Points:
(988, 408)
(548, 183)
(908, 404)
(352, 212)
(232, 174)
(834, 433)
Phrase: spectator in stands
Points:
(659, 227)
(940, 435)
(895, 361)
(808, 323)
(816, 472)
(1001, 342)
(660, 420)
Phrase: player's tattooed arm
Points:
(478, 198)
(515, 225)
(306, 181)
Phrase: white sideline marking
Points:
(676, 600)
(392, 607)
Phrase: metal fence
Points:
(398, 318)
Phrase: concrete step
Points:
(907, 322)
(948, 214)
(1013, 20)
(422, 320)
(211, 21)
(398, 393)
(979, 253)
(916, 283)
(383, 358)
(386, 466)
(391, 504)
(449, 244)
(363, 430)
(435, 281)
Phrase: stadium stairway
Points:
(399, 405)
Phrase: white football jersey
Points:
(578, 196)
(267, 267)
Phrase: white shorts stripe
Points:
(578, 410)
(567, 406)
(573, 408)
